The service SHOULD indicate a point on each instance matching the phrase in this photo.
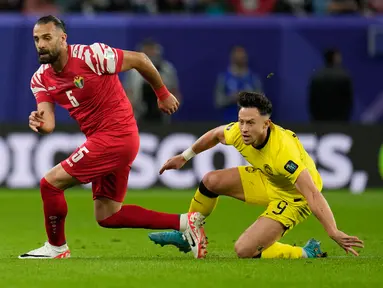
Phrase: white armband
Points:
(188, 154)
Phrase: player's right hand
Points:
(35, 120)
(347, 242)
(176, 162)
(169, 105)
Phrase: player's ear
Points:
(63, 37)
(267, 123)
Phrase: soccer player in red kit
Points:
(83, 79)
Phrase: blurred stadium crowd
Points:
(332, 84)
(210, 7)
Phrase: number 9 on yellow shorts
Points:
(289, 214)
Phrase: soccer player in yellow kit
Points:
(282, 176)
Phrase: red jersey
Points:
(89, 88)
(251, 7)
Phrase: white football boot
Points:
(48, 251)
(195, 234)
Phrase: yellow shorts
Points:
(257, 189)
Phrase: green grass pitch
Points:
(126, 257)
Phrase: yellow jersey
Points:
(280, 159)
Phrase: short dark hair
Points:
(149, 42)
(255, 100)
(52, 19)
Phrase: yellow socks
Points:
(204, 201)
(279, 250)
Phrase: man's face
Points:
(49, 41)
(239, 57)
(337, 59)
(252, 125)
(153, 52)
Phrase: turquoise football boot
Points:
(313, 250)
(171, 238)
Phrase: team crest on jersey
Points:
(79, 81)
(268, 169)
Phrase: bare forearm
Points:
(46, 117)
(45, 129)
(150, 73)
(205, 142)
(322, 211)
(141, 62)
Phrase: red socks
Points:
(132, 216)
(55, 211)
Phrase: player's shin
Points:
(279, 250)
(204, 201)
(132, 216)
(55, 211)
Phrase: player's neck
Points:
(263, 140)
(60, 63)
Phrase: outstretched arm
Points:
(205, 142)
(139, 61)
(209, 140)
(322, 211)
(110, 60)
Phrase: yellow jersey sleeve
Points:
(232, 134)
(289, 161)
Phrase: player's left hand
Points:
(176, 162)
(169, 105)
(35, 120)
(347, 242)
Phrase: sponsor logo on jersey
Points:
(291, 166)
(79, 81)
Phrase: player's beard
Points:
(48, 57)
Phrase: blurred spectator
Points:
(319, 7)
(252, 7)
(40, 7)
(330, 91)
(144, 6)
(376, 5)
(238, 77)
(141, 94)
(95, 6)
(212, 7)
(343, 6)
(171, 6)
(293, 6)
(11, 5)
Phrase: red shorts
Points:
(105, 161)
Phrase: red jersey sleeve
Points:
(39, 90)
(106, 60)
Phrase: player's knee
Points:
(243, 251)
(211, 181)
(45, 185)
(103, 223)
(104, 209)
(47, 189)
(109, 222)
